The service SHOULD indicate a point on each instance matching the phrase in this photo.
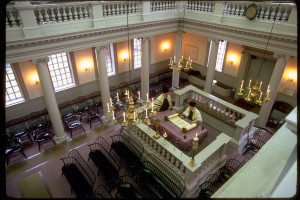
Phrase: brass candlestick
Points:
(156, 136)
(194, 148)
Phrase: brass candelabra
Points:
(179, 65)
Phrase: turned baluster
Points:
(163, 152)
(272, 16)
(266, 18)
(242, 11)
(59, 19)
(151, 144)
(113, 12)
(177, 164)
(284, 15)
(155, 146)
(47, 19)
(172, 160)
(80, 12)
(279, 14)
(261, 13)
(53, 19)
(182, 168)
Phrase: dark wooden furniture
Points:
(102, 192)
(72, 122)
(128, 149)
(107, 164)
(130, 189)
(159, 180)
(79, 175)
(41, 135)
(13, 147)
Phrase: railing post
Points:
(30, 26)
(146, 16)
(293, 17)
(97, 14)
(218, 14)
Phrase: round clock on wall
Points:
(251, 12)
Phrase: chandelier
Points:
(180, 64)
(131, 115)
(254, 93)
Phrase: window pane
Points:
(13, 93)
(221, 54)
(137, 46)
(60, 71)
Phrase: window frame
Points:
(18, 84)
(139, 51)
(219, 54)
(67, 86)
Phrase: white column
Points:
(145, 68)
(50, 100)
(274, 85)
(242, 70)
(213, 53)
(103, 79)
(177, 53)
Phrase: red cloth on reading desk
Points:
(175, 135)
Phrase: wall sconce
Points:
(291, 76)
(35, 78)
(86, 65)
(124, 56)
(232, 59)
(87, 69)
(165, 46)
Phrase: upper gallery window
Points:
(13, 92)
(109, 59)
(60, 71)
(137, 53)
(221, 55)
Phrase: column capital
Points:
(36, 61)
(146, 38)
(179, 32)
(213, 40)
(99, 48)
(279, 55)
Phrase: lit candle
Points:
(174, 58)
(118, 97)
(124, 116)
(128, 93)
(249, 83)
(268, 90)
(108, 107)
(139, 92)
(189, 58)
(191, 62)
(249, 93)
(152, 106)
(110, 101)
(260, 95)
(147, 97)
(134, 116)
(260, 84)
(146, 112)
(152, 99)
(181, 57)
(113, 112)
(242, 84)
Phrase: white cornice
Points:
(36, 47)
